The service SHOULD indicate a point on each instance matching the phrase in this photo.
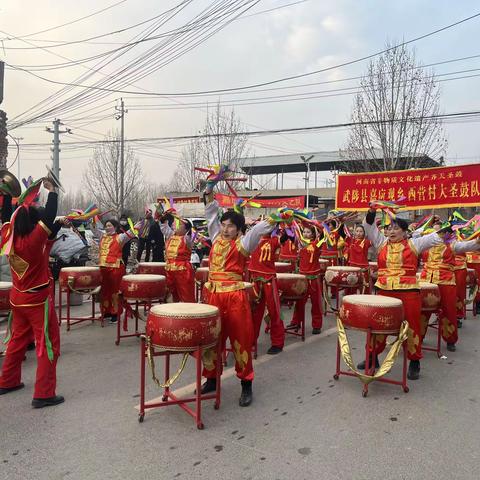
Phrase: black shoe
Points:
(247, 395)
(477, 308)
(3, 391)
(209, 386)
(361, 365)
(293, 326)
(414, 370)
(114, 319)
(47, 402)
(274, 350)
(31, 346)
(459, 323)
(316, 331)
(451, 347)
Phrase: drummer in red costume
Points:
(439, 263)
(289, 252)
(226, 290)
(357, 252)
(397, 269)
(112, 266)
(32, 304)
(178, 250)
(264, 278)
(329, 250)
(310, 267)
(473, 261)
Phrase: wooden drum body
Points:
(183, 326)
(80, 278)
(205, 262)
(430, 295)
(471, 277)
(346, 277)
(154, 268)
(375, 312)
(292, 286)
(283, 267)
(143, 287)
(5, 288)
(201, 274)
(373, 269)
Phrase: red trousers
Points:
(447, 315)
(26, 319)
(111, 278)
(412, 306)
(314, 292)
(181, 284)
(461, 291)
(268, 296)
(237, 325)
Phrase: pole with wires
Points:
(121, 117)
(306, 161)
(56, 145)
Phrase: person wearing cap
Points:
(178, 250)
(397, 277)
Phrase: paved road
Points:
(302, 425)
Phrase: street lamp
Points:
(306, 161)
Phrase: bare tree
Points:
(393, 114)
(223, 143)
(102, 176)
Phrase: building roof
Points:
(321, 162)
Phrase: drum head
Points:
(80, 269)
(202, 269)
(187, 310)
(151, 264)
(144, 277)
(372, 301)
(428, 286)
(344, 269)
(5, 285)
(290, 276)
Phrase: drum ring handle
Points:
(151, 363)
(70, 281)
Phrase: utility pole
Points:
(306, 161)
(121, 117)
(56, 145)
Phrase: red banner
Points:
(439, 187)
(193, 199)
(277, 202)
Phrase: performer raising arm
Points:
(32, 304)
(397, 270)
(226, 290)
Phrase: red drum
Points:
(283, 267)
(379, 313)
(5, 288)
(324, 264)
(201, 274)
(205, 262)
(471, 277)
(183, 326)
(292, 286)
(430, 295)
(80, 278)
(373, 268)
(143, 287)
(155, 268)
(350, 277)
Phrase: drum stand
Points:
(134, 313)
(169, 398)
(348, 289)
(436, 326)
(76, 320)
(370, 369)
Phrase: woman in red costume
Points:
(112, 266)
(310, 267)
(25, 240)
(397, 277)
(357, 253)
(178, 251)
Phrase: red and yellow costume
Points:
(330, 250)
(32, 310)
(179, 270)
(264, 278)
(438, 268)
(397, 269)
(356, 253)
(473, 261)
(460, 271)
(226, 290)
(113, 269)
(289, 252)
(310, 267)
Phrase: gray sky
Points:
(286, 41)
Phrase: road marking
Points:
(230, 372)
